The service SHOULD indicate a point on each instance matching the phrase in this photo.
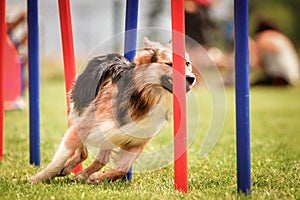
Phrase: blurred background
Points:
(93, 22)
(96, 20)
(208, 22)
(284, 13)
(274, 113)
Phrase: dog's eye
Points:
(187, 63)
(170, 64)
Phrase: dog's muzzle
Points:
(190, 81)
(167, 82)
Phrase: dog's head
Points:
(154, 52)
(149, 83)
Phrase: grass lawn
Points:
(275, 153)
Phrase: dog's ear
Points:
(169, 45)
(147, 43)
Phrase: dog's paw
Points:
(33, 180)
(38, 179)
(80, 177)
(96, 178)
(66, 170)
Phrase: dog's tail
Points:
(98, 70)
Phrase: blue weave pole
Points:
(131, 23)
(242, 96)
(33, 73)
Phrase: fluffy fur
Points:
(117, 106)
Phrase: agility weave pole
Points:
(179, 96)
(67, 45)
(33, 74)
(2, 54)
(131, 22)
(68, 51)
(242, 96)
(33, 54)
(179, 82)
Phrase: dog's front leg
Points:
(70, 142)
(102, 159)
(123, 161)
(80, 155)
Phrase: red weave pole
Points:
(2, 55)
(67, 44)
(179, 96)
(68, 51)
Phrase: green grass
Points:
(275, 153)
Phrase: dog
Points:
(117, 106)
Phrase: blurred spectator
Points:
(199, 30)
(221, 12)
(198, 24)
(277, 56)
(16, 28)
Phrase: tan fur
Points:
(144, 57)
(72, 139)
(104, 110)
(94, 167)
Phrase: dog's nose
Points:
(190, 79)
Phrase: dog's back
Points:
(98, 70)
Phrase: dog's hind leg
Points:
(70, 142)
(80, 155)
(123, 161)
(100, 161)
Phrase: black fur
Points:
(167, 83)
(98, 70)
(121, 104)
(154, 57)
